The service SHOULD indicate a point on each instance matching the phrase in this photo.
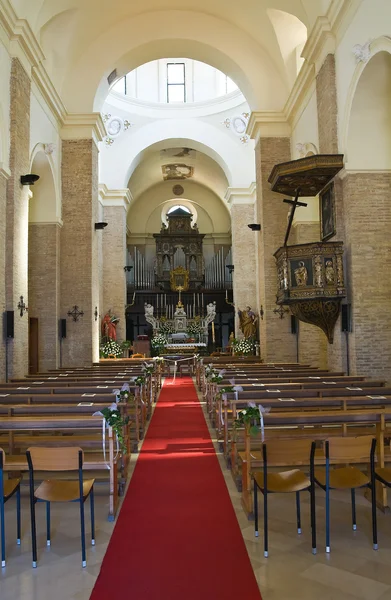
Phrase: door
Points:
(33, 346)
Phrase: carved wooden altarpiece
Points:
(180, 234)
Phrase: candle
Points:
(226, 294)
(213, 332)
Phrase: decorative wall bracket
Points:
(22, 306)
(75, 313)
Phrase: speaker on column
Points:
(293, 324)
(63, 328)
(9, 324)
(345, 317)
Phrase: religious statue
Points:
(109, 326)
(148, 308)
(301, 274)
(231, 339)
(329, 272)
(318, 272)
(247, 320)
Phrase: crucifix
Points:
(180, 289)
(295, 203)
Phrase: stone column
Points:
(243, 250)
(79, 240)
(4, 175)
(312, 342)
(115, 205)
(278, 344)
(17, 217)
(44, 289)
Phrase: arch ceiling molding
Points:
(380, 44)
(121, 161)
(83, 45)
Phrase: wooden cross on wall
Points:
(295, 203)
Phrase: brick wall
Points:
(326, 94)
(367, 209)
(17, 216)
(114, 260)
(44, 282)
(79, 250)
(277, 342)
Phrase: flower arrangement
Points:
(213, 375)
(113, 417)
(249, 417)
(111, 348)
(148, 369)
(243, 346)
(194, 328)
(138, 381)
(165, 326)
(124, 394)
(158, 341)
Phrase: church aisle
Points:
(177, 535)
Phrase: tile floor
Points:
(352, 571)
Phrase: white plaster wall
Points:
(305, 131)
(5, 73)
(371, 21)
(44, 130)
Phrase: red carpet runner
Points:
(177, 537)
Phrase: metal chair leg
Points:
(256, 509)
(374, 515)
(354, 521)
(2, 525)
(298, 515)
(327, 510)
(92, 510)
(313, 518)
(18, 517)
(266, 533)
(33, 531)
(83, 534)
(48, 523)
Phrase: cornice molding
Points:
(79, 126)
(121, 197)
(268, 124)
(241, 195)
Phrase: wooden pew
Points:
(318, 426)
(67, 424)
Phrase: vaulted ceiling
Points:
(256, 42)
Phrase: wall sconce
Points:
(22, 306)
(96, 313)
(261, 313)
(128, 269)
(254, 226)
(100, 225)
(230, 268)
(28, 179)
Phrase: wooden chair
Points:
(52, 490)
(345, 450)
(8, 487)
(284, 452)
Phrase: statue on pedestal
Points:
(247, 320)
